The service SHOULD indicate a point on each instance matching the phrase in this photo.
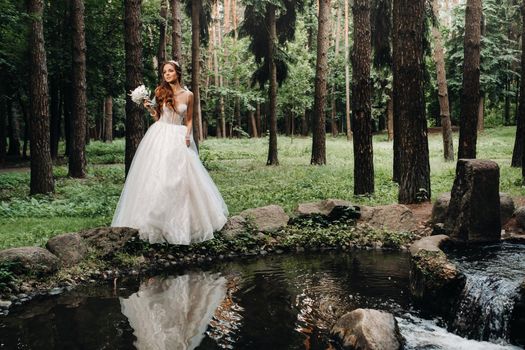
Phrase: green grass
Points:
(238, 167)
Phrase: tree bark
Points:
(133, 48)
(361, 104)
(77, 156)
(108, 119)
(176, 34)
(444, 110)
(272, 92)
(321, 72)
(347, 76)
(41, 166)
(258, 118)
(410, 125)
(27, 125)
(470, 94)
(196, 8)
(161, 52)
(518, 154)
(253, 123)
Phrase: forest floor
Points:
(238, 168)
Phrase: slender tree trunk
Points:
(133, 48)
(347, 76)
(14, 131)
(108, 119)
(41, 165)
(390, 117)
(3, 134)
(272, 39)
(444, 110)
(218, 35)
(410, 125)
(77, 157)
(55, 117)
(471, 87)
(176, 34)
(67, 106)
(337, 35)
(361, 104)
(161, 52)
(196, 8)
(518, 154)
(321, 72)
(253, 123)
(258, 118)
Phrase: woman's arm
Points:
(189, 118)
(151, 111)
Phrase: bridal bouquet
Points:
(139, 94)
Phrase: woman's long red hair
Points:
(164, 93)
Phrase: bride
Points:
(168, 195)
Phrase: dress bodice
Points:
(171, 116)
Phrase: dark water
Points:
(279, 302)
(493, 277)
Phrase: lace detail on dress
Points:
(170, 116)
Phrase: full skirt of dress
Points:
(168, 195)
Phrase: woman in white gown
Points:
(168, 195)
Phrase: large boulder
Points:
(473, 214)
(29, 260)
(440, 207)
(434, 281)
(519, 214)
(106, 241)
(70, 248)
(266, 219)
(233, 227)
(367, 329)
(507, 207)
(393, 217)
(321, 207)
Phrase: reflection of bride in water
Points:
(173, 313)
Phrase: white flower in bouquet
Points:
(139, 94)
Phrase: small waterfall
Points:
(493, 278)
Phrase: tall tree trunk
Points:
(470, 92)
(444, 110)
(67, 107)
(55, 116)
(196, 8)
(14, 131)
(258, 118)
(410, 125)
(41, 165)
(347, 76)
(176, 34)
(361, 104)
(108, 119)
(321, 72)
(77, 156)
(337, 35)
(518, 154)
(133, 48)
(161, 52)
(390, 117)
(3, 134)
(218, 36)
(272, 92)
(253, 123)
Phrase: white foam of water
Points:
(426, 334)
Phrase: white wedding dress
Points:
(174, 313)
(168, 195)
